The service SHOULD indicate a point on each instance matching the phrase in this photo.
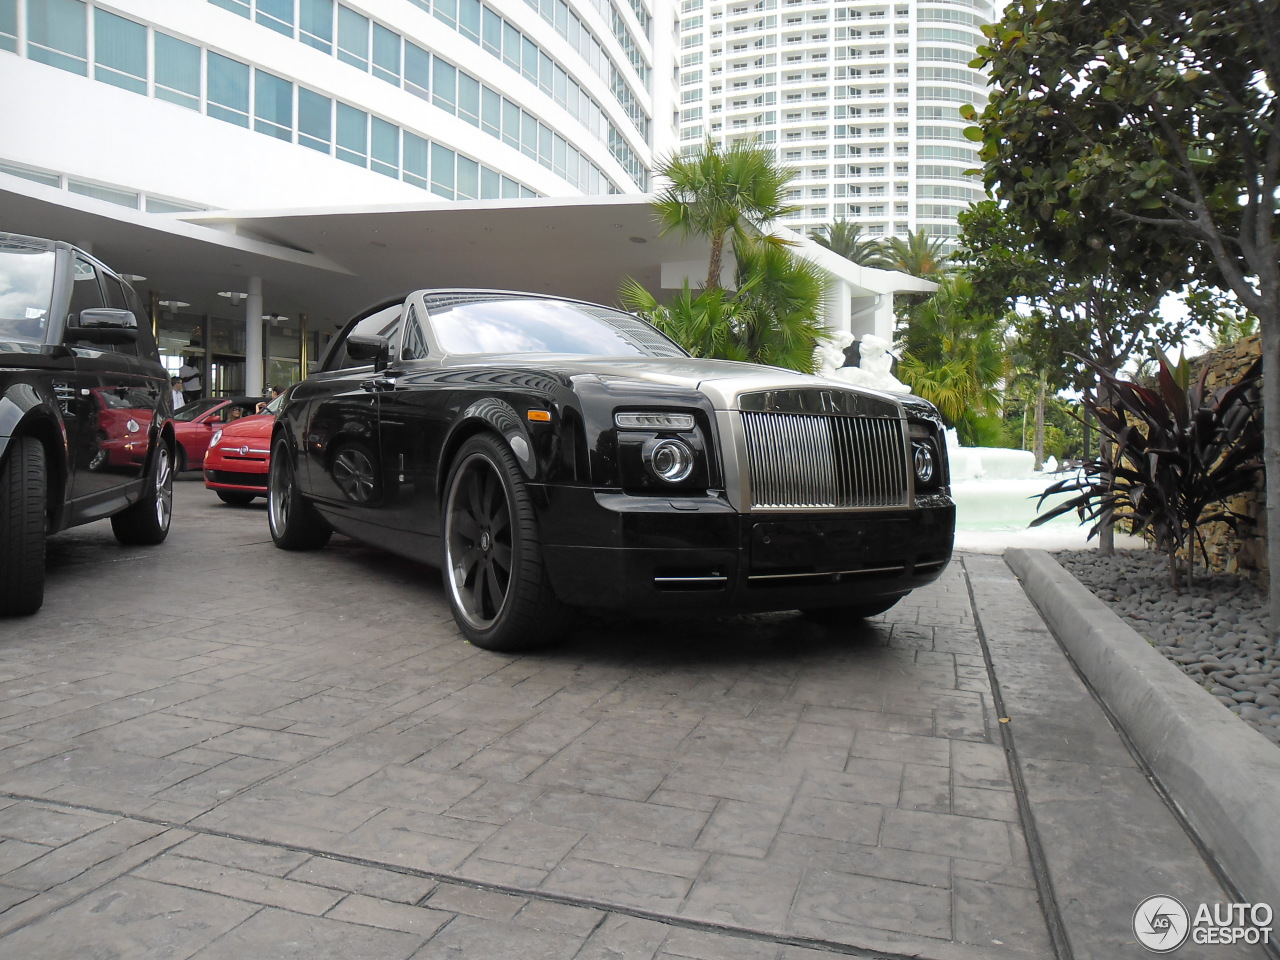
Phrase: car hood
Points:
(249, 428)
(721, 380)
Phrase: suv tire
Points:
(22, 527)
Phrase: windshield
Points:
(26, 290)
(196, 407)
(526, 325)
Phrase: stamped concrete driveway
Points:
(216, 749)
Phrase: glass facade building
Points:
(207, 105)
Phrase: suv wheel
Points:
(22, 527)
(147, 521)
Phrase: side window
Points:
(115, 292)
(382, 323)
(85, 292)
(414, 344)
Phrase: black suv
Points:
(85, 408)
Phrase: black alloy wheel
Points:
(23, 521)
(294, 523)
(146, 523)
(493, 568)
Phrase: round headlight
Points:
(217, 435)
(924, 462)
(670, 460)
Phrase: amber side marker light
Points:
(540, 416)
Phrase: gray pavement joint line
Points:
(1215, 868)
(1035, 849)
(92, 878)
(687, 923)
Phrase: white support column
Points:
(836, 310)
(253, 338)
(884, 321)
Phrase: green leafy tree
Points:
(1122, 125)
(728, 196)
(952, 354)
(845, 238)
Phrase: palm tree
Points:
(724, 194)
(845, 238)
(954, 357)
(773, 317)
(919, 254)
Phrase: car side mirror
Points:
(375, 349)
(104, 325)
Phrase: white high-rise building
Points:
(861, 98)
(170, 104)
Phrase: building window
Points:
(353, 38)
(235, 6)
(277, 15)
(386, 54)
(316, 24)
(228, 89)
(417, 71)
(385, 141)
(177, 71)
(442, 160)
(57, 34)
(444, 85)
(315, 120)
(468, 179)
(119, 51)
(415, 160)
(9, 25)
(353, 135)
(273, 106)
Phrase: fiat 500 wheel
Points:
(294, 523)
(147, 521)
(22, 528)
(493, 567)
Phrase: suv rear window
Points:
(26, 290)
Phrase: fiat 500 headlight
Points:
(213, 441)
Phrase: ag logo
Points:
(1161, 924)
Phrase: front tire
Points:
(295, 524)
(146, 523)
(23, 508)
(235, 498)
(493, 567)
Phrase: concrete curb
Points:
(1223, 775)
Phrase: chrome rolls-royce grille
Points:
(801, 460)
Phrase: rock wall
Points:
(1244, 552)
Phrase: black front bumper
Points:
(615, 551)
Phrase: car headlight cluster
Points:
(927, 462)
(660, 450)
(213, 441)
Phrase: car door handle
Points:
(378, 384)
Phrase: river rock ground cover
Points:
(1216, 631)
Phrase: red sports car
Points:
(195, 424)
(235, 466)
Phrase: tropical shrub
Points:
(1178, 453)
